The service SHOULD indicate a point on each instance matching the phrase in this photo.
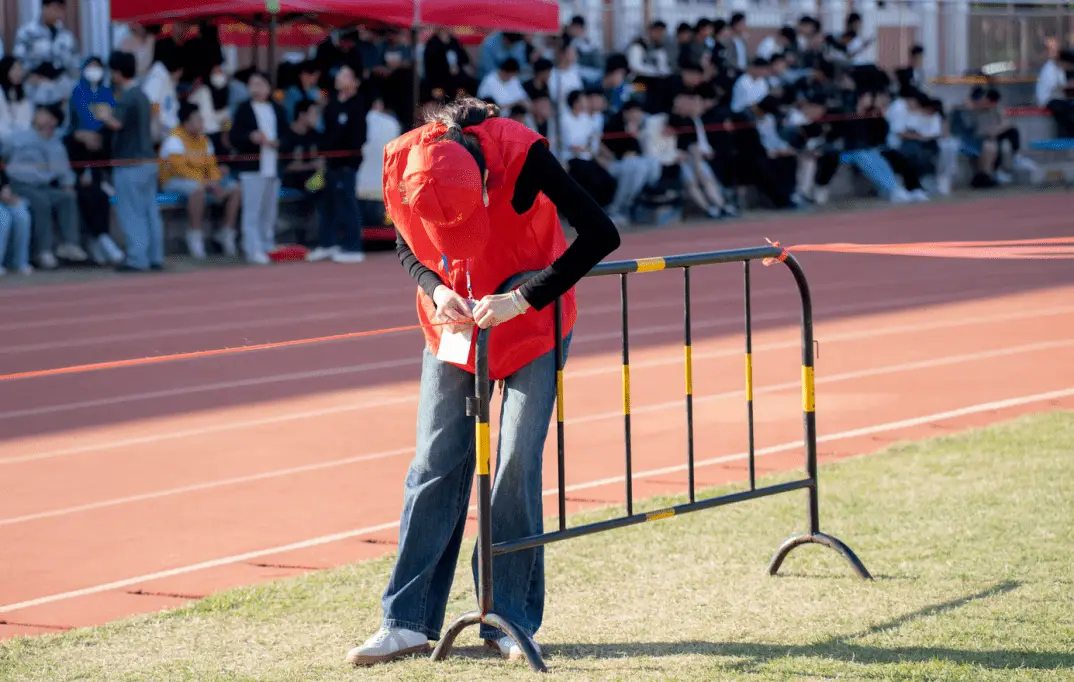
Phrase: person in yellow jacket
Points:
(190, 170)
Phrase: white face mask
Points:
(218, 80)
(94, 74)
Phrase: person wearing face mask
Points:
(88, 144)
(213, 99)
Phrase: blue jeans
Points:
(15, 229)
(340, 212)
(875, 168)
(437, 495)
(138, 214)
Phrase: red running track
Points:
(130, 490)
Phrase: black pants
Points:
(827, 166)
(93, 204)
(1063, 113)
(754, 167)
(911, 179)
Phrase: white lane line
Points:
(358, 532)
(308, 414)
(584, 419)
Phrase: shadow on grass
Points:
(842, 647)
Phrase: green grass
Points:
(970, 538)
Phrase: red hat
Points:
(444, 188)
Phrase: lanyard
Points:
(447, 271)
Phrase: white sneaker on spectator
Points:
(322, 253)
(386, 645)
(111, 250)
(919, 195)
(3, 271)
(348, 257)
(195, 244)
(1004, 178)
(1027, 165)
(508, 648)
(47, 261)
(821, 195)
(26, 270)
(96, 253)
(943, 185)
(899, 195)
(259, 259)
(714, 212)
(227, 238)
(71, 252)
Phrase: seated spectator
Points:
(1052, 91)
(695, 155)
(858, 47)
(689, 51)
(616, 89)
(984, 132)
(913, 74)
(16, 109)
(622, 156)
(260, 126)
(751, 87)
(503, 86)
(214, 100)
(306, 89)
(538, 86)
(914, 130)
(819, 83)
(565, 77)
(649, 64)
(382, 127)
(448, 70)
(740, 51)
(776, 43)
(189, 169)
(40, 173)
(160, 86)
(580, 139)
(782, 163)
(89, 146)
(49, 50)
(809, 129)
(864, 146)
(300, 149)
(14, 230)
(542, 120)
(590, 60)
(135, 177)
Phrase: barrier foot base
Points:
(529, 650)
(824, 539)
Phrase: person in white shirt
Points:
(751, 87)
(577, 136)
(858, 47)
(648, 57)
(777, 43)
(159, 86)
(740, 52)
(381, 128)
(503, 86)
(16, 109)
(1051, 91)
(260, 125)
(565, 78)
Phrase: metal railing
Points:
(478, 407)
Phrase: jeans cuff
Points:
(407, 625)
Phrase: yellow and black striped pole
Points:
(689, 361)
(626, 395)
(560, 445)
(749, 375)
(479, 410)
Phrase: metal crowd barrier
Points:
(478, 408)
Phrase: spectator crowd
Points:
(699, 119)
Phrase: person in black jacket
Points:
(342, 140)
(256, 134)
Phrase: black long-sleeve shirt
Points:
(344, 131)
(597, 236)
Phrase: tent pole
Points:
(415, 81)
(272, 49)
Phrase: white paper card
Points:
(455, 345)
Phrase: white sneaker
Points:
(348, 257)
(1004, 178)
(3, 271)
(71, 252)
(508, 648)
(899, 195)
(26, 270)
(821, 195)
(47, 261)
(259, 259)
(322, 253)
(227, 238)
(96, 253)
(387, 645)
(195, 244)
(111, 250)
(919, 195)
(943, 185)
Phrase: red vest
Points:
(518, 243)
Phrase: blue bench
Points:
(1059, 145)
(168, 200)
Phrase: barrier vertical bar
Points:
(560, 463)
(689, 360)
(483, 448)
(626, 395)
(749, 374)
